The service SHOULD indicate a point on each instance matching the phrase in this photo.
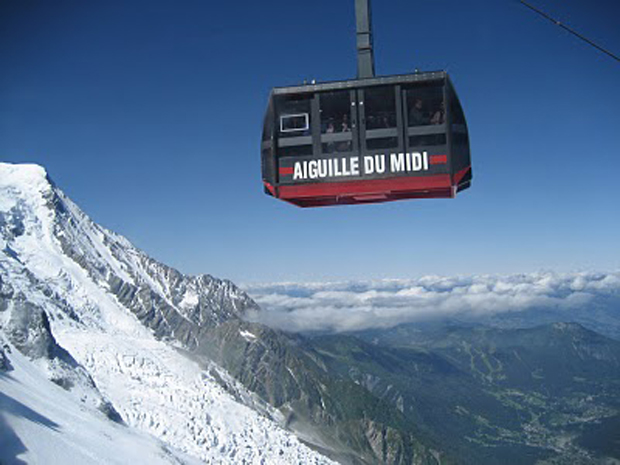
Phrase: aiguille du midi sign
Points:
(356, 166)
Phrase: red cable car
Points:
(371, 139)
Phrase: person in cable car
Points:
(438, 115)
(416, 114)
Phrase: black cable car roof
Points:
(418, 77)
(365, 140)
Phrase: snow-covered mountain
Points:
(41, 422)
(109, 326)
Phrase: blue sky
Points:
(148, 115)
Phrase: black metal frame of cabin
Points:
(275, 146)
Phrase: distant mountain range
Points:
(169, 365)
(504, 395)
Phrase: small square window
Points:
(292, 123)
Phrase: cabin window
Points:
(382, 143)
(295, 151)
(294, 114)
(459, 129)
(425, 106)
(295, 123)
(427, 139)
(380, 107)
(335, 111)
(457, 112)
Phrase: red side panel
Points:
(270, 188)
(368, 191)
(439, 159)
(461, 174)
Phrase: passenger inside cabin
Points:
(330, 130)
(439, 114)
(344, 146)
(416, 114)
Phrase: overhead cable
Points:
(572, 31)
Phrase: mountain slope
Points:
(42, 423)
(325, 406)
(499, 395)
(77, 298)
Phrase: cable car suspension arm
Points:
(365, 56)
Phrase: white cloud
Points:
(356, 305)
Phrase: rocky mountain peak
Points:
(38, 220)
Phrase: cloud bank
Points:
(352, 306)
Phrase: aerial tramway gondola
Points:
(365, 140)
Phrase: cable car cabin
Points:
(367, 140)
